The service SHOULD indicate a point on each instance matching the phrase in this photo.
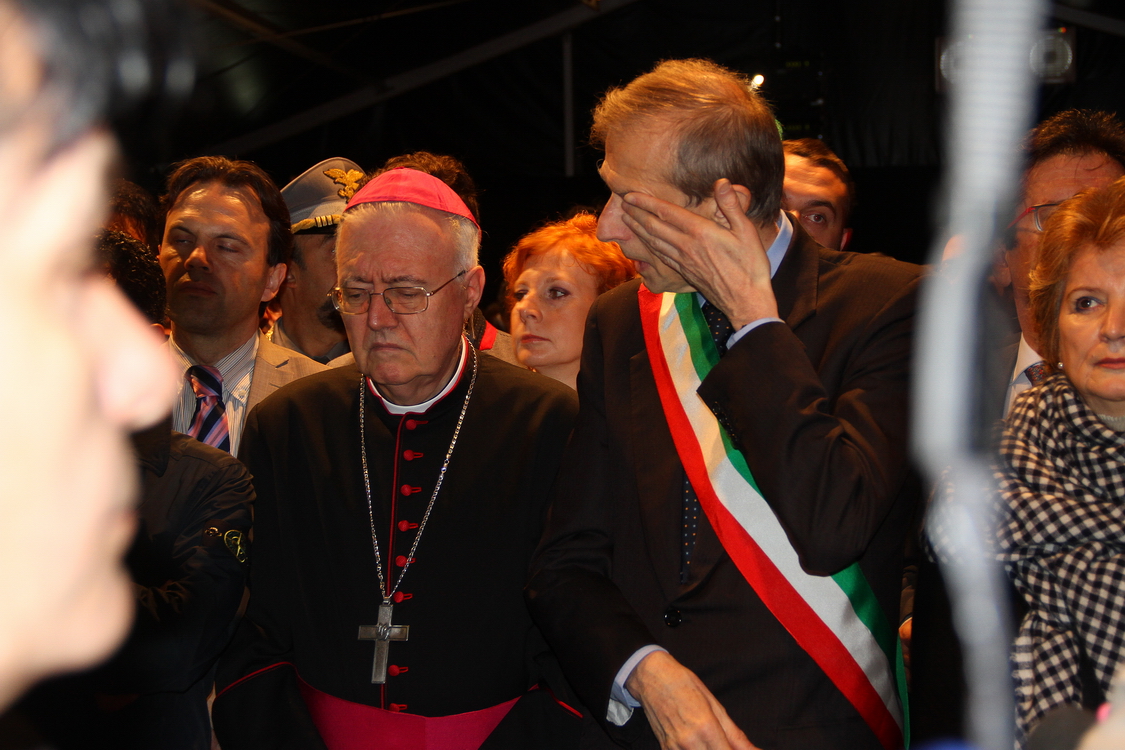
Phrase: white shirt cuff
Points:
(621, 703)
(737, 335)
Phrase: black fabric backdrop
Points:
(859, 74)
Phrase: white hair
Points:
(466, 235)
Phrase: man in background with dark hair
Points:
(227, 239)
(137, 274)
(94, 371)
(448, 169)
(133, 211)
(309, 324)
(1065, 154)
(724, 549)
(819, 191)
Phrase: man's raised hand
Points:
(720, 255)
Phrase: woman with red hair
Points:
(553, 276)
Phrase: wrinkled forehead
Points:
(803, 172)
(220, 193)
(642, 158)
(212, 209)
(401, 234)
(658, 135)
(1062, 176)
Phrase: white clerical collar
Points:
(423, 407)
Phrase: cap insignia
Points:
(349, 179)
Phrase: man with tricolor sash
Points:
(725, 542)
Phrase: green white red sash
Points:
(836, 619)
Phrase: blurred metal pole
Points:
(990, 112)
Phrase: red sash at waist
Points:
(344, 725)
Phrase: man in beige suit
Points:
(226, 243)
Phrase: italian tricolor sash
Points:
(836, 619)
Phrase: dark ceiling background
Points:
(286, 84)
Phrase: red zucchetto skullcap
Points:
(407, 185)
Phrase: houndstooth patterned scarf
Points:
(1062, 538)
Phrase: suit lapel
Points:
(659, 475)
(796, 283)
(269, 373)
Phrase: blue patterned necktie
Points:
(719, 325)
(721, 329)
(1036, 373)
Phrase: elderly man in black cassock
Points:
(399, 502)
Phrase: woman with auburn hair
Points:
(553, 276)
(1062, 532)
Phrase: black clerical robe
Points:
(471, 644)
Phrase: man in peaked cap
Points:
(316, 201)
(400, 498)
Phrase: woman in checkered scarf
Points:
(1062, 532)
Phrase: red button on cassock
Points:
(411, 455)
(400, 597)
(407, 490)
(402, 560)
(410, 424)
(406, 526)
(395, 670)
(397, 706)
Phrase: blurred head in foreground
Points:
(553, 276)
(67, 476)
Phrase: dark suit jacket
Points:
(818, 406)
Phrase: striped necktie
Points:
(209, 424)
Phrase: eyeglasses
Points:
(1039, 214)
(402, 300)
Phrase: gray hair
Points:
(466, 235)
(721, 125)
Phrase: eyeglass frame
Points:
(1034, 211)
(335, 292)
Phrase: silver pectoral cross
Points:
(383, 634)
